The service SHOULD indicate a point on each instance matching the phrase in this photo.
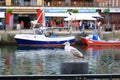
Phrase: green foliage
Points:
(9, 10)
(74, 11)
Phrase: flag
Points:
(7, 18)
(11, 21)
(39, 16)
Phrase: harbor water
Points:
(16, 60)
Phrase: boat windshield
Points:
(39, 31)
(95, 37)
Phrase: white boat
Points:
(42, 40)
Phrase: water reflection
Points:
(103, 59)
(40, 60)
(26, 60)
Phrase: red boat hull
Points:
(97, 42)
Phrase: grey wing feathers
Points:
(76, 52)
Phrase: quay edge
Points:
(7, 37)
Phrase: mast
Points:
(43, 13)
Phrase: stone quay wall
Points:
(7, 37)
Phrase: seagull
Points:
(73, 52)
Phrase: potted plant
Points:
(8, 10)
(107, 10)
(74, 11)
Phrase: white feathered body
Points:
(73, 52)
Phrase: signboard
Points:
(56, 10)
(65, 10)
(2, 13)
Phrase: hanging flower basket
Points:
(8, 14)
(8, 10)
(106, 10)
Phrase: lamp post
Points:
(107, 12)
(72, 12)
(108, 16)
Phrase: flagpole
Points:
(43, 14)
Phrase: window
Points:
(2, 2)
(116, 2)
(68, 2)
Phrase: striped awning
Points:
(67, 14)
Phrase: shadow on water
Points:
(35, 48)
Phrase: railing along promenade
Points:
(62, 76)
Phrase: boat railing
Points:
(58, 28)
(62, 76)
(40, 30)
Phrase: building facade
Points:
(108, 3)
(49, 3)
(26, 9)
(114, 13)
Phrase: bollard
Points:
(74, 68)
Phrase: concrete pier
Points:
(7, 37)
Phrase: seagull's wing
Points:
(75, 52)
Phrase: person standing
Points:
(47, 24)
(22, 24)
(77, 25)
(1, 25)
(61, 25)
(51, 23)
(99, 26)
(81, 25)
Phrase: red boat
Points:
(95, 40)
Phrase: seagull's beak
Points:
(64, 43)
(82, 57)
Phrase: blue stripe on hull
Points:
(29, 42)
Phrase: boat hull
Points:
(97, 42)
(36, 40)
